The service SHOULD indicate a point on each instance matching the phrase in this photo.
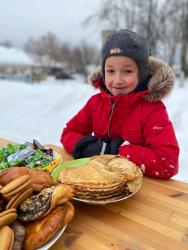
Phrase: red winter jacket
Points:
(149, 138)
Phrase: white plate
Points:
(53, 240)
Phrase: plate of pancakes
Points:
(101, 179)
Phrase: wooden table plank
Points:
(171, 184)
(125, 228)
(4, 142)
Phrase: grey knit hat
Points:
(125, 42)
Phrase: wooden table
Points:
(154, 218)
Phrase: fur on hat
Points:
(160, 84)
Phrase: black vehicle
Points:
(62, 76)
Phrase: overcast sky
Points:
(21, 19)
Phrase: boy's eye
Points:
(110, 71)
(127, 71)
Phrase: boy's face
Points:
(121, 75)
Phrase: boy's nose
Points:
(118, 79)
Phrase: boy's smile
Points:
(121, 75)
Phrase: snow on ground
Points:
(41, 110)
(177, 104)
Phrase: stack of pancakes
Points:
(103, 178)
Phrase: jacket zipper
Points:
(111, 113)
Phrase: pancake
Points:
(103, 177)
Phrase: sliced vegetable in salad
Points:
(32, 155)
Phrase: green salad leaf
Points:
(9, 150)
(38, 160)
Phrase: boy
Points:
(127, 117)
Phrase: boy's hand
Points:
(90, 145)
(114, 146)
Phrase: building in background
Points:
(16, 65)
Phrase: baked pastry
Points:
(3, 203)
(11, 174)
(6, 238)
(39, 205)
(39, 179)
(7, 217)
(103, 177)
(19, 235)
(69, 208)
(41, 231)
(18, 198)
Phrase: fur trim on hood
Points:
(161, 82)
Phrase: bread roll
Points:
(11, 174)
(69, 213)
(39, 178)
(41, 231)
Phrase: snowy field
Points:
(41, 111)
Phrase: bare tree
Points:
(148, 22)
(114, 14)
(142, 16)
(170, 31)
(49, 51)
(163, 23)
(82, 57)
(45, 49)
(175, 33)
(184, 37)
